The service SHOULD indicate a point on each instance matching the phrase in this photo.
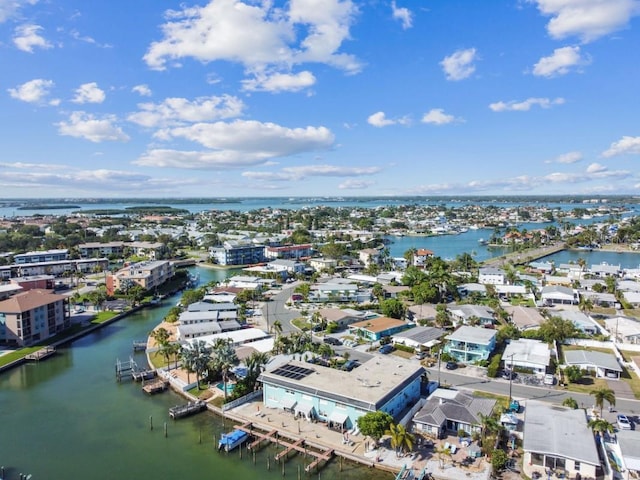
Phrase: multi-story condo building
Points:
(148, 275)
(289, 252)
(29, 317)
(43, 256)
(237, 253)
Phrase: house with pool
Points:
(338, 397)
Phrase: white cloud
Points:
(89, 93)
(33, 91)
(302, 172)
(436, 116)
(355, 184)
(236, 144)
(626, 145)
(559, 62)
(33, 166)
(175, 111)
(9, 8)
(596, 168)
(142, 90)
(459, 65)
(279, 82)
(27, 36)
(403, 14)
(87, 126)
(586, 19)
(569, 157)
(379, 119)
(257, 35)
(525, 105)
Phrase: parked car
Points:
(451, 365)
(623, 422)
(385, 349)
(332, 341)
(549, 379)
(350, 365)
(508, 374)
(420, 355)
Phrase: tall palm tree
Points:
(491, 428)
(601, 395)
(276, 327)
(401, 439)
(199, 357)
(223, 358)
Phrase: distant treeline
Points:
(151, 210)
(46, 207)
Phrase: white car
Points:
(623, 422)
(549, 379)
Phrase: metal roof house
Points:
(527, 353)
(340, 397)
(558, 439)
(605, 365)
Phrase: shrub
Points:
(494, 366)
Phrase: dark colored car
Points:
(451, 365)
(350, 365)
(332, 341)
(386, 349)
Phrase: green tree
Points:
(401, 440)
(573, 373)
(223, 358)
(600, 426)
(161, 336)
(601, 395)
(558, 329)
(570, 402)
(392, 307)
(499, 460)
(276, 327)
(374, 424)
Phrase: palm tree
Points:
(601, 395)
(570, 402)
(442, 452)
(586, 304)
(491, 428)
(197, 358)
(223, 359)
(161, 336)
(401, 439)
(600, 426)
(276, 327)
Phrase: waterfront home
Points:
(605, 270)
(374, 329)
(249, 282)
(525, 318)
(604, 365)
(446, 412)
(419, 338)
(541, 267)
(237, 253)
(148, 275)
(469, 314)
(558, 295)
(289, 252)
(624, 329)
(193, 330)
(30, 317)
(558, 439)
(470, 344)
(557, 280)
(340, 397)
(420, 257)
(629, 444)
(491, 276)
(573, 271)
(528, 355)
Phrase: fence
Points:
(241, 400)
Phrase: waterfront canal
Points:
(67, 418)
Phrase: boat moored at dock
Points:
(232, 440)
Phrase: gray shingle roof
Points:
(462, 407)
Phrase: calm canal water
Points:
(67, 418)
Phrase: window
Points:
(537, 459)
(576, 466)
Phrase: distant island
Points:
(150, 210)
(41, 206)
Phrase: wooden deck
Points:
(155, 386)
(41, 354)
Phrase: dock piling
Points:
(150, 422)
(165, 429)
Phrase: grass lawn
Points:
(102, 317)
(503, 401)
(587, 384)
(302, 323)
(202, 393)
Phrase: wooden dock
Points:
(142, 375)
(41, 354)
(139, 346)
(290, 444)
(156, 386)
(180, 411)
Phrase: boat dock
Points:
(41, 354)
(290, 444)
(156, 386)
(139, 346)
(180, 411)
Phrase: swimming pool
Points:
(230, 387)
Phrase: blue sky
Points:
(229, 98)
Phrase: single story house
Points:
(582, 321)
(558, 439)
(448, 411)
(542, 267)
(606, 270)
(345, 316)
(624, 329)
(629, 443)
(469, 288)
(605, 365)
(525, 318)
(604, 299)
(424, 312)
(420, 338)
(469, 314)
(374, 329)
(559, 295)
(527, 354)
(632, 297)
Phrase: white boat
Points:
(482, 241)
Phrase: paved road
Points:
(276, 310)
(518, 391)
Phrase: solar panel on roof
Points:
(293, 372)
